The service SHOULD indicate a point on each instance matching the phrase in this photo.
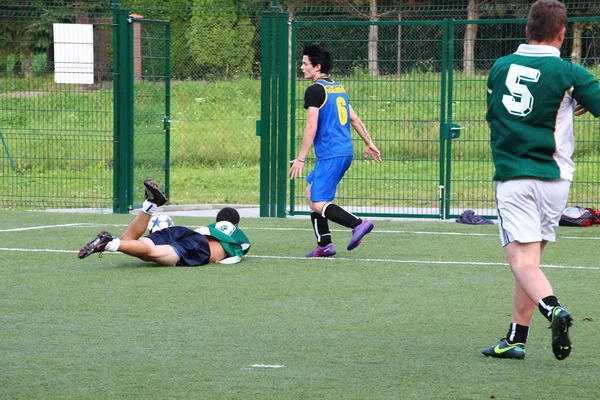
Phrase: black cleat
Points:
(95, 246)
(153, 193)
(506, 350)
(560, 324)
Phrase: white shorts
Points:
(529, 209)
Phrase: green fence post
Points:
(265, 112)
(292, 119)
(448, 122)
(116, 85)
(273, 131)
(444, 90)
(123, 107)
(282, 153)
(167, 124)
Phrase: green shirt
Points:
(232, 238)
(531, 97)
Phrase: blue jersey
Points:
(333, 137)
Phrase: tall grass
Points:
(50, 128)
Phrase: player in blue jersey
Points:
(532, 97)
(220, 242)
(328, 128)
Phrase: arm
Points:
(359, 127)
(308, 138)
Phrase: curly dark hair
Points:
(319, 54)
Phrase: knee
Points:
(316, 207)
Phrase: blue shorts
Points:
(326, 176)
(191, 246)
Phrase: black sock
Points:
(546, 305)
(340, 216)
(517, 333)
(321, 228)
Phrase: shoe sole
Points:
(561, 343)
(354, 244)
(310, 255)
(83, 252)
(494, 355)
(151, 185)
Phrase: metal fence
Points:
(57, 139)
(423, 72)
(423, 99)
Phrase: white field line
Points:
(384, 260)
(88, 225)
(33, 228)
(333, 259)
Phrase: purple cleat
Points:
(359, 232)
(326, 251)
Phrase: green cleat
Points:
(560, 324)
(506, 350)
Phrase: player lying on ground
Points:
(222, 241)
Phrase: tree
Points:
(368, 10)
(221, 41)
(473, 13)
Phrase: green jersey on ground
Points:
(532, 94)
(232, 238)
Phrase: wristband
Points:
(300, 160)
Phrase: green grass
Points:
(403, 316)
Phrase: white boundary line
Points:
(417, 261)
(33, 228)
(332, 259)
(88, 225)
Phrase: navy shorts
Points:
(191, 246)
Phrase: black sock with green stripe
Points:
(546, 305)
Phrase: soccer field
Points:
(404, 316)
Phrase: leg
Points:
(528, 214)
(523, 307)
(524, 260)
(137, 227)
(146, 250)
(320, 227)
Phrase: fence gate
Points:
(421, 92)
(142, 108)
(400, 95)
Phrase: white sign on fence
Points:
(73, 53)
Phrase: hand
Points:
(296, 169)
(580, 110)
(372, 151)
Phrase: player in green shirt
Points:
(221, 242)
(532, 97)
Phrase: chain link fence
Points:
(51, 132)
(56, 138)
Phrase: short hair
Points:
(545, 20)
(228, 214)
(319, 54)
